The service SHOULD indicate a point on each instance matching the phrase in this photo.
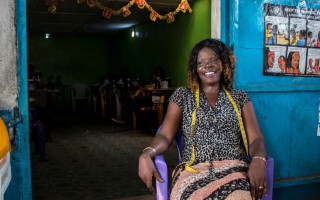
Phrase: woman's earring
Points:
(220, 68)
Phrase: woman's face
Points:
(281, 63)
(270, 58)
(295, 60)
(209, 66)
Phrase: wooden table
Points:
(160, 107)
(42, 97)
(161, 91)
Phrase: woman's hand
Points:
(147, 170)
(258, 179)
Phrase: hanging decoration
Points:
(125, 10)
(52, 5)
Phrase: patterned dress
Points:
(220, 157)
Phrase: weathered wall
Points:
(8, 62)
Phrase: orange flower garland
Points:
(52, 5)
(125, 10)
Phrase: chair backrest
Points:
(178, 140)
(81, 91)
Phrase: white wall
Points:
(8, 60)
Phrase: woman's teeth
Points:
(210, 73)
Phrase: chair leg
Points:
(103, 109)
(119, 107)
(41, 136)
(134, 121)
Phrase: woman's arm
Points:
(255, 138)
(159, 144)
(257, 150)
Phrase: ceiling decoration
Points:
(52, 5)
(125, 10)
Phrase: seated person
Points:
(214, 162)
(157, 77)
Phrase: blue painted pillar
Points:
(20, 185)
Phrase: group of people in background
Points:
(125, 91)
(288, 65)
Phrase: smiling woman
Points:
(213, 153)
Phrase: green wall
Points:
(88, 58)
(161, 44)
(75, 58)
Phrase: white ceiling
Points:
(72, 17)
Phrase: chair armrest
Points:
(161, 188)
(270, 167)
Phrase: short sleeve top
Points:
(217, 134)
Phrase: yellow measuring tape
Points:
(243, 132)
(193, 124)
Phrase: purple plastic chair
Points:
(162, 191)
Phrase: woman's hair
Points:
(289, 59)
(225, 55)
(284, 58)
(265, 60)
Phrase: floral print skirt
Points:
(214, 180)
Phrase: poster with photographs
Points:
(291, 41)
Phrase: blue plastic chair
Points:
(38, 132)
(162, 191)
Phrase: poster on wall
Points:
(291, 41)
